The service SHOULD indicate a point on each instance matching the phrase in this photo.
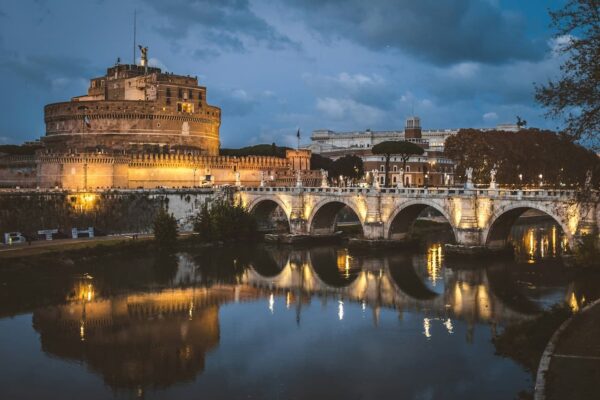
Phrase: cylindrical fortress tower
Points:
(135, 108)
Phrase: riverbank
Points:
(570, 366)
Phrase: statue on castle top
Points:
(469, 173)
(144, 51)
(324, 176)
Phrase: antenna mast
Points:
(134, 33)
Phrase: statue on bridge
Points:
(262, 179)
(298, 179)
(400, 183)
(324, 176)
(588, 179)
(469, 173)
(493, 177)
(375, 175)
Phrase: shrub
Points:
(225, 221)
(165, 229)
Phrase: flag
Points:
(86, 119)
(298, 134)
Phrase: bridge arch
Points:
(497, 230)
(322, 218)
(400, 221)
(263, 208)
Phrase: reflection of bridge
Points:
(393, 282)
(478, 217)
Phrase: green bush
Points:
(165, 229)
(225, 221)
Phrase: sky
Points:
(276, 66)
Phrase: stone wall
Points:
(127, 125)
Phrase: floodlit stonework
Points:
(139, 127)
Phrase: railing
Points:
(426, 192)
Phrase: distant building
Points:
(429, 169)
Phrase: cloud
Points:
(490, 116)
(368, 89)
(226, 25)
(443, 32)
(234, 102)
(348, 109)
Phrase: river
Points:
(261, 322)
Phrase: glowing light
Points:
(434, 263)
(553, 240)
(573, 303)
(271, 303)
(448, 325)
(340, 310)
(364, 306)
(191, 310)
(343, 262)
(426, 328)
(288, 299)
(82, 330)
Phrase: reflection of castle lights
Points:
(191, 310)
(271, 303)
(288, 300)
(340, 310)
(434, 262)
(426, 327)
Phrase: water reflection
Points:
(539, 242)
(158, 330)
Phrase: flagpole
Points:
(298, 136)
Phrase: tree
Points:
(349, 166)
(575, 96)
(402, 149)
(165, 229)
(318, 162)
(520, 157)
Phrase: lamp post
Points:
(521, 180)
(541, 179)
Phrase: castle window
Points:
(185, 107)
(179, 93)
(190, 94)
(395, 168)
(382, 168)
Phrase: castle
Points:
(139, 127)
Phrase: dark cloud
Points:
(443, 32)
(224, 24)
(45, 70)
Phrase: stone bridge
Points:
(480, 218)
